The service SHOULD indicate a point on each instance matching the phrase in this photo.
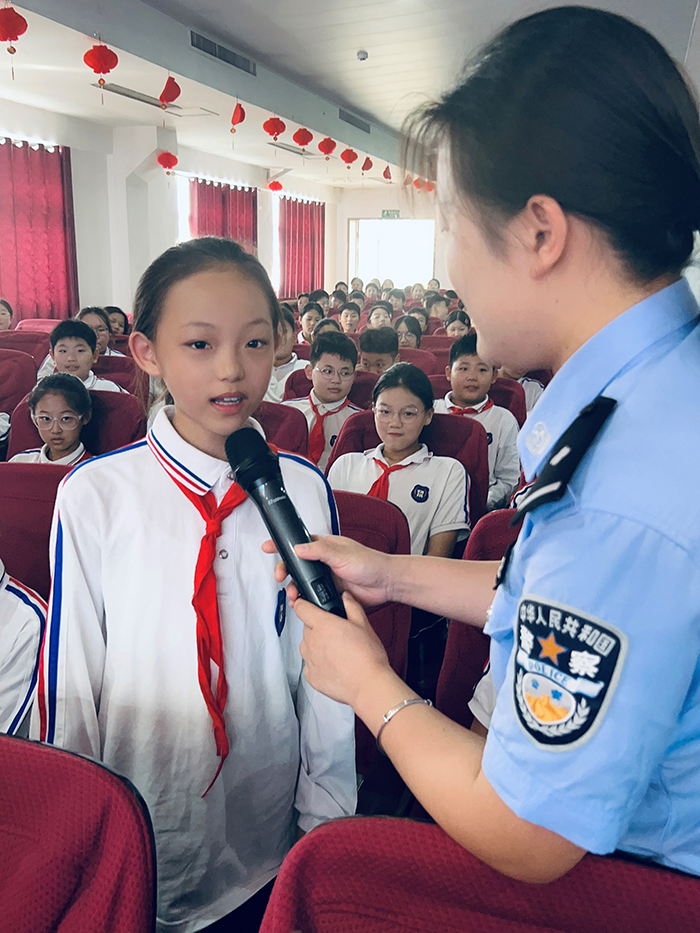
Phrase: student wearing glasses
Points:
(60, 407)
(331, 369)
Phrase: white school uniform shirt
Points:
(40, 455)
(103, 385)
(432, 492)
(120, 681)
(48, 367)
(4, 425)
(483, 701)
(331, 425)
(279, 376)
(22, 620)
(533, 388)
(501, 429)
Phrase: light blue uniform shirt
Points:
(620, 551)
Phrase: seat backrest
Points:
(298, 385)
(434, 323)
(35, 343)
(27, 496)
(78, 844)
(38, 324)
(121, 343)
(441, 385)
(442, 357)
(423, 359)
(17, 378)
(467, 648)
(302, 350)
(510, 394)
(284, 426)
(117, 419)
(370, 522)
(120, 369)
(541, 375)
(436, 341)
(467, 443)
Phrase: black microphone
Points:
(257, 471)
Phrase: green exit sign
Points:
(391, 215)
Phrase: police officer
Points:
(569, 189)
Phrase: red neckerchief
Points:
(317, 441)
(380, 487)
(455, 410)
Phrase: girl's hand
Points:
(362, 571)
(343, 656)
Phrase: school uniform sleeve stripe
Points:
(335, 524)
(167, 459)
(94, 459)
(53, 631)
(38, 606)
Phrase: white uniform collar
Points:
(324, 407)
(4, 576)
(419, 456)
(477, 408)
(68, 460)
(290, 364)
(191, 467)
(90, 380)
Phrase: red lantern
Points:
(170, 92)
(387, 173)
(429, 187)
(275, 185)
(238, 117)
(302, 138)
(327, 147)
(12, 26)
(418, 184)
(102, 60)
(167, 161)
(348, 156)
(367, 165)
(274, 127)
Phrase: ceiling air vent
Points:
(203, 44)
(354, 121)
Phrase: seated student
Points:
(343, 286)
(357, 284)
(387, 283)
(409, 331)
(6, 315)
(533, 387)
(331, 369)
(385, 294)
(22, 619)
(372, 291)
(310, 316)
(302, 300)
(378, 349)
(321, 297)
(379, 315)
(338, 299)
(74, 350)
(286, 360)
(350, 317)
(397, 299)
(471, 380)
(421, 315)
(430, 491)
(418, 292)
(457, 324)
(118, 320)
(98, 320)
(438, 307)
(434, 285)
(357, 296)
(60, 406)
(325, 325)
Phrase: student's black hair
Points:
(380, 304)
(429, 292)
(287, 315)
(201, 254)
(434, 280)
(356, 296)
(463, 346)
(398, 293)
(458, 315)
(70, 387)
(374, 285)
(380, 340)
(451, 294)
(435, 300)
(356, 278)
(73, 328)
(325, 322)
(340, 294)
(336, 345)
(345, 288)
(311, 306)
(98, 312)
(350, 306)
(406, 376)
(113, 309)
(412, 324)
(418, 310)
(586, 107)
(302, 295)
(318, 294)
(6, 304)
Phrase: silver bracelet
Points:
(392, 712)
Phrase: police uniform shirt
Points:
(120, 670)
(533, 388)
(502, 434)
(279, 376)
(431, 491)
(331, 425)
(22, 619)
(40, 455)
(596, 626)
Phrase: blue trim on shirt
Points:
(110, 453)
(335, 524)
(27, 600)
(182, 466)
(56, 596)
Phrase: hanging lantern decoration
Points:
(238, 117)
(387, 173)
(348, 156)
(102, 60)
(327, 147)
(170, 93)
(275, 185)
(302, 138)
(407, 180)
(429, 187)
(418, 184)
(12, 26)
(168, 161)
(274, 127)
(367, 165)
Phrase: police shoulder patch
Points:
(567, 665)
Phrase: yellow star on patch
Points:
(550, 648)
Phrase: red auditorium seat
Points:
(298, 386)
(505, 392)
(120, 369)
(370, 522)
(27, 496)
(117, 419)
(467, 648)
(284, 426)
(34, 343)
(423, 359)
(434, 323)
(302, 350)
(541, 375)
(468, 446)
(440, 332)
(363, 875)
(17, 378)
(76, 845)
(121, 343)
(436, 341)
(38, 324)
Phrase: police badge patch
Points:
(567, 665)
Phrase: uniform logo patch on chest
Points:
(567, 665)
(420, 493)
(489, 437)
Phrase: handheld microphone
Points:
(257, 471)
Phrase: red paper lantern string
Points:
(327, 147)
(12, 26)
(418, 184)
(387, 173)
(429, 187)
(302, 138)
(274, 127)
(102, 60)
(367, 165)
(275, 185)
(168, 161)
(238, 117)
(348, 156)
(170, 93)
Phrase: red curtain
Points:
(220, 210)
(38, 268)
(302, 246)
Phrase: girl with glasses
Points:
(60, 406)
